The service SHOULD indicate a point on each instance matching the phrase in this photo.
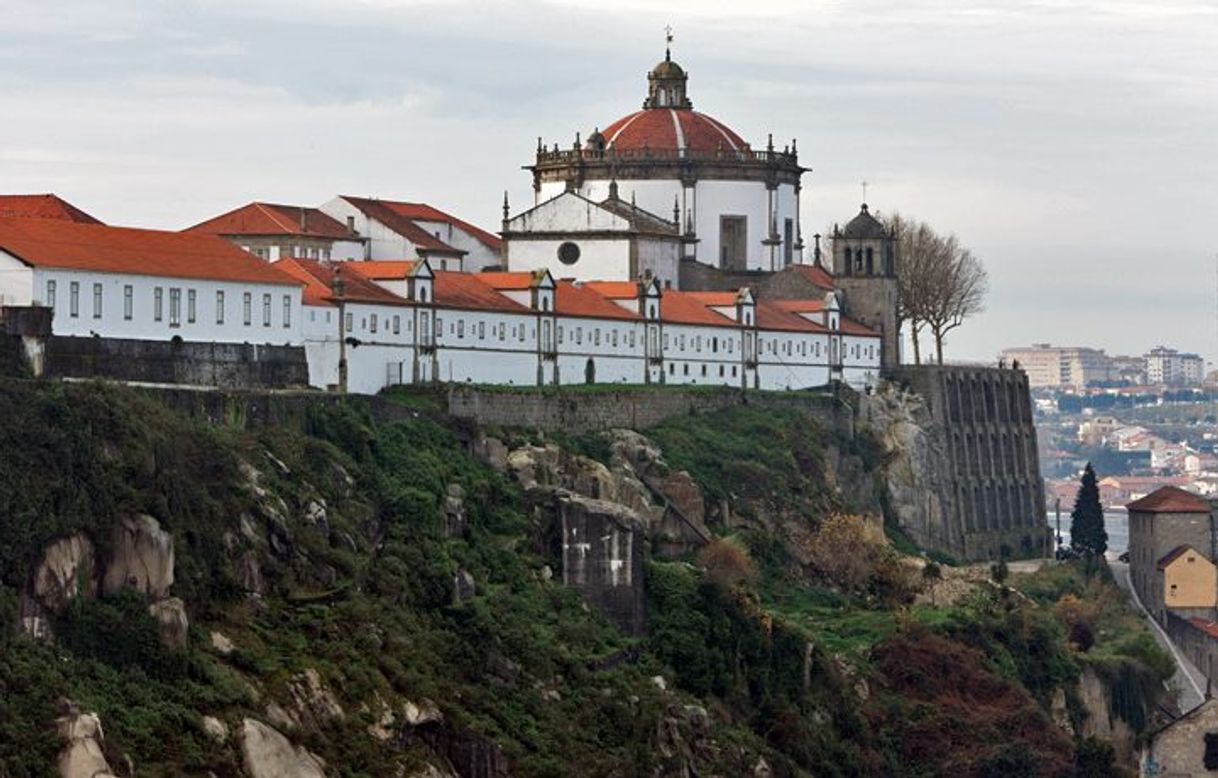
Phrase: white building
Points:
(1169, 366)
(118, 282)
(407, 231)
(272, 231)
(736, 208)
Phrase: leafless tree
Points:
(940, 283)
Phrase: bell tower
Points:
(666, 83)
(865, 267)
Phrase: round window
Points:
(568, 253)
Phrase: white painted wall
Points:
(478, 255)
(16, 281)
(599, 260)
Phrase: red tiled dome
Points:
(671, 129)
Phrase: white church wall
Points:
(599, 259)
(662, 258)
(730, 198)
(16, 281)
(320, 330)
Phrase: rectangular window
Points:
(128, 302)
(502, 331)
(372, 322)
(287, 311)
(579, 334)
(175, 307)
(50, 301)
(598, 336)
(247, 308)
(191, 305)
(522, 333)
(560, 333)
(397, 324)
(350, 325)
(219, 306)
(461, 328)
(481, 330)
(266, 310)
(158, 303)
(97, 301)
(615, 338)
(74, 299)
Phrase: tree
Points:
(1087, 534)
(728, 562)
(940, 284)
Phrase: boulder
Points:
(416, 714)
(215, 729)
(265, 753)
(454, 511)
(82, 757)
(65, 573)
(171, 621)
(141, 558)
(313, 703)
(464, 586)
(222, 644)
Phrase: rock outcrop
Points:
(66, 571)
(83, 756)
(266, 753)
(172, 623)
(141, 558)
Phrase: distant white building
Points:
(272, 231)
(1170, 367)
(1060, 366)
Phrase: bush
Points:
(728, 563)
(853, 554)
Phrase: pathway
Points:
(1188, 681)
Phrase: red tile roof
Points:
(772, 317)
(1169, 499)
(717, 299)
(852, 327)
(464, 290)
(800, 306)
(1208, 627)
(684, 308)
(615, 290)
(573, 299)
(396, 217)
(656, 129)
(52, 243)
(271, 219)
(384, 269)
(43, 206)
(1175, 554)
(429, 213)
(816, 274)
(319, 276)
(509, 279)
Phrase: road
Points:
(1188, 681)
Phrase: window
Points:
(50, 301)
(685, 368)
(74, 299)
(247, 304)
(461, 329)
(598, 336)
(721, 371)
(97, 301)
(704, 371)
(158, 303)
(615, 338)
(266, 310)
(579, 334)
(220, 306)
(481, 330)
(560, 333)
(350, 323)
(502, 331)
(372, 322)
(714, 345)
(568, 253)
(733, 242)
(397, 324)
(521, 333)
(672, 368)
(175, 307)
(191, 300)
(128, 302)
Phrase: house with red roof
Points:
(124, 283)
(406, 231)
(1161, 524)
(273, 231)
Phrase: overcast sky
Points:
(1072, 144)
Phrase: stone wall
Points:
(221, 365)
(602, 558)
(973, 483)
(638, 409)
(1199, 646)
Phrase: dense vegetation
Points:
(815, 670)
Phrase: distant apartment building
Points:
(1169, 366)
(1051, 366)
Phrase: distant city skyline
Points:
(1072, 145)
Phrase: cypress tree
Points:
(1087, 534)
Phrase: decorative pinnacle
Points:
(506, 210)
(668, 43)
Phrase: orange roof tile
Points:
(800, 306)
(272, 219)
(717, 299)
(384, 269)
(319, 278)
(508, 279)
(52, 243)
(684, 308)
(772, 317)
(614, 290)
(818, 275)
(572, 299)
(1208, 627)
(43, 206)
(1169, 499)
(852, 327)
(464, 290)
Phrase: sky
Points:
(1071, 144)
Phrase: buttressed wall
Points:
(965, 477)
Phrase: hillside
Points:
(379, 592)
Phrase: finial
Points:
(794, 149)
(816, 251)
(577, 139)
(668, 43)
(506, 210)
(338, 287)
(632, 202)
(540, 147)
(613, 189)
(676, 210)
(769, 145)
(864, 195)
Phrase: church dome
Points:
(864, 226)
(668, 69)
(680, 130)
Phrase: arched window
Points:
(870, 262)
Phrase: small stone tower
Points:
(865, 267)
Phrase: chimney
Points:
(303, 220)
(351, 224)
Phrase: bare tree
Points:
(940, 283)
